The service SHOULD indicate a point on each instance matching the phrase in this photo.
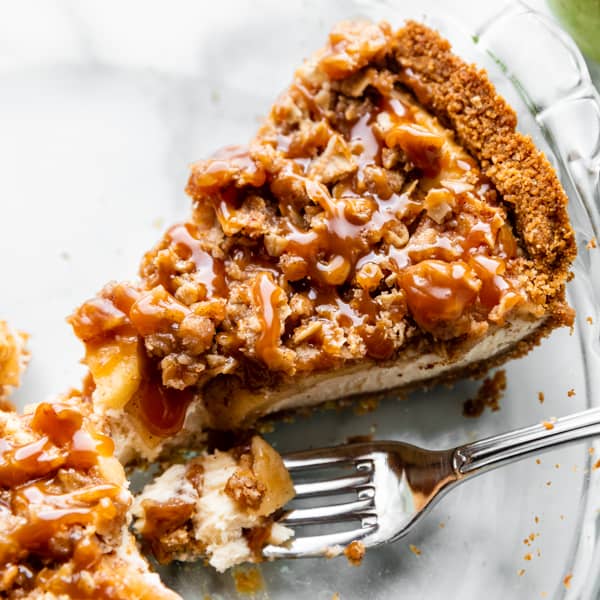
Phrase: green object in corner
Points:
(581, 18)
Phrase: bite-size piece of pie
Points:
(386, 227)
(218, 506)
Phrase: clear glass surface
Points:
(96, 137)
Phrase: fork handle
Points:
(499, 450)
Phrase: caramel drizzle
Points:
(210, 271)
(266, 294)
(30, 471)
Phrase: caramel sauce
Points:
(42, 495)
(209, 271)
(106, 314)
(63, 443)
(437, 291)
(494, 286)
(363, 136)
(96, 317)
(421, 146)
(161, 409)
(228, 164)
(49, 512)
(157, 311)
(266, 293)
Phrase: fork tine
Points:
(316, 545)
(328, 486)
(300, 461)
(323, 514)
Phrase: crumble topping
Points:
(244, 487)
(354, 225)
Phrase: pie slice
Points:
(387, 227)
(64, 509)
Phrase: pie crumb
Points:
(248, 580)
(592, 244)
(596, 465)
(355, 552)
(528, 556)
(521, 572)
(489, 394)
(567, 580)
(414, 550)
(571, 393)
(548, 424)
(538, 461)
(590, 320)
(541, 397)
(365, 406)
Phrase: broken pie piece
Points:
(219, 506)
(386, 227)
(14, 357)
(64, 509)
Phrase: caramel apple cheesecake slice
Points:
(64, 509)
(387, 227)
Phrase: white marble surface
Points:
(102, 106)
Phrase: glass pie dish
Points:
(528, 530)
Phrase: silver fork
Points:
(392, 484)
